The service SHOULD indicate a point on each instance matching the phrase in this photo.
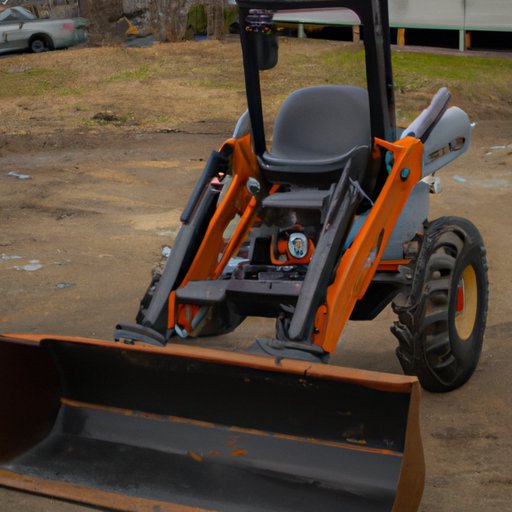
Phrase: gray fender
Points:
(243, 125)
(449, 139)
(410, 222)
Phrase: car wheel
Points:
(38, 45)
(441, 318)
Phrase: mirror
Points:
(262, 37)
(266, 48)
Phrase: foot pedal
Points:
(279, 349)
(137, 332)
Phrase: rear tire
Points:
(39, 44)
(442, 316)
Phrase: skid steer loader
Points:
(327, 225)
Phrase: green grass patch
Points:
(34, 82)
(66, 90)
(141, 73)
(452, 67)
(345, 67)
(415, 70)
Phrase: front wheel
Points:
(442, 316)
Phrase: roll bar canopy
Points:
(374, 17)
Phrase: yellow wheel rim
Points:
(466, 303)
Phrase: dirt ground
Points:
(85, 213)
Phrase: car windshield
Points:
(16, 14)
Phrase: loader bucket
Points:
(140, 428)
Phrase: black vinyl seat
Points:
(316, 132)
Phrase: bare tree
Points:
(215, 18)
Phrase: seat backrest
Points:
(321, 122)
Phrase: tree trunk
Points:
(169, 18)
(215, 19)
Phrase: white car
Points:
(22, 30)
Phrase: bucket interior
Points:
(207, 434)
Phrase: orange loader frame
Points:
(359, 262)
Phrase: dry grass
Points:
(175, 85)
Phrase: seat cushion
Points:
(317, 131)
